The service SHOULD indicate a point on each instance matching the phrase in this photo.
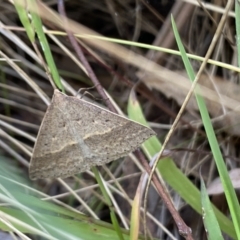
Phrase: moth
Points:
(76, 135)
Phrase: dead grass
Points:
(22, 110)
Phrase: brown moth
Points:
(76, 135)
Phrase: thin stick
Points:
(83, 59)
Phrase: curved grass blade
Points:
(227, 184)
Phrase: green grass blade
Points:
(225, 179)
(209, 218)
(152, 145)
(37, 23)
(109, 202)
(59, 227)
(171, 173)
(31, 215)
(23, 16)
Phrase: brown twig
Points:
(184, 230)
(83, 59)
